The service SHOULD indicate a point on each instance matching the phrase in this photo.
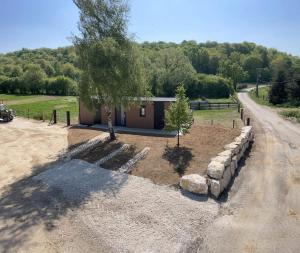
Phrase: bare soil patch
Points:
(165, 164)
(78, 136)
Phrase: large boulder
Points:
(222, 159)
(194, 183)
(233, 166)
(234, 146)
(215, 188)
(215, 169)
(224, 182)
(226, 153)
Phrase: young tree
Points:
(179, 116)
(111, 70)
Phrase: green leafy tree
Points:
(179, 116)
(278, 92)
(34, 78)
(233, 71)
(112, 73)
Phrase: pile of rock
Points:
(221, 169)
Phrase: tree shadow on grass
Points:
(47, 195)
(179, 158)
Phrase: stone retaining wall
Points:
(221, 168)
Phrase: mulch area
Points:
(120, 159)
(165, 163)
(101, 150)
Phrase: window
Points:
(143, 111)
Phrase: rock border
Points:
(126, 168)
(88, 145)
(112, 155)
(221, 168)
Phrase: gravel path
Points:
(263, 211)
(124, 213)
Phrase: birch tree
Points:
(112, 72)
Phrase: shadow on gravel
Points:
(29, 202)
(225, 195)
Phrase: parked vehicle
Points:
(6, 114)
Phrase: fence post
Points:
(68, 118)
(28, 113)
(242, 114)
(233, 123)
(248, 121)
(239, 107)
(43, 116)
(54, 117)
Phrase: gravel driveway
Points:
(124, 213)
(56, 206)
(263, 211)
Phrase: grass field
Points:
(217, 100)
(223, 117)
(41, 107)
(292, 114)
(7, 98)
(285, 110)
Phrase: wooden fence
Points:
(197, 105)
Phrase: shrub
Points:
(209, 86)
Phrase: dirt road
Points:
(27, 144)
(262, 213)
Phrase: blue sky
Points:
(49, 23)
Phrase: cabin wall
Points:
(134, 120)
(86, 116)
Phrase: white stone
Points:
(234, 159)
(241, 139)
(226, 153)
(232, 168)
(232, 146)
(239, 156)
(215, 188)
(215, 169)
(222, 159)
(194, 183)
(225, 179)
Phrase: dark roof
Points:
(158, 99)
(154, 99)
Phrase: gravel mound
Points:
(128, 213)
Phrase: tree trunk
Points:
(178, 139)
(110, 125)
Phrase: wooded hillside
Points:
(208, 69)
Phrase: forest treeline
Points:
(210, 69)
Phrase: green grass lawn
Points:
(224, 117)
(6, 97)
(217, 100)
(293, 114)
(38, 110)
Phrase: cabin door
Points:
(97, 118)
(159, 115)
